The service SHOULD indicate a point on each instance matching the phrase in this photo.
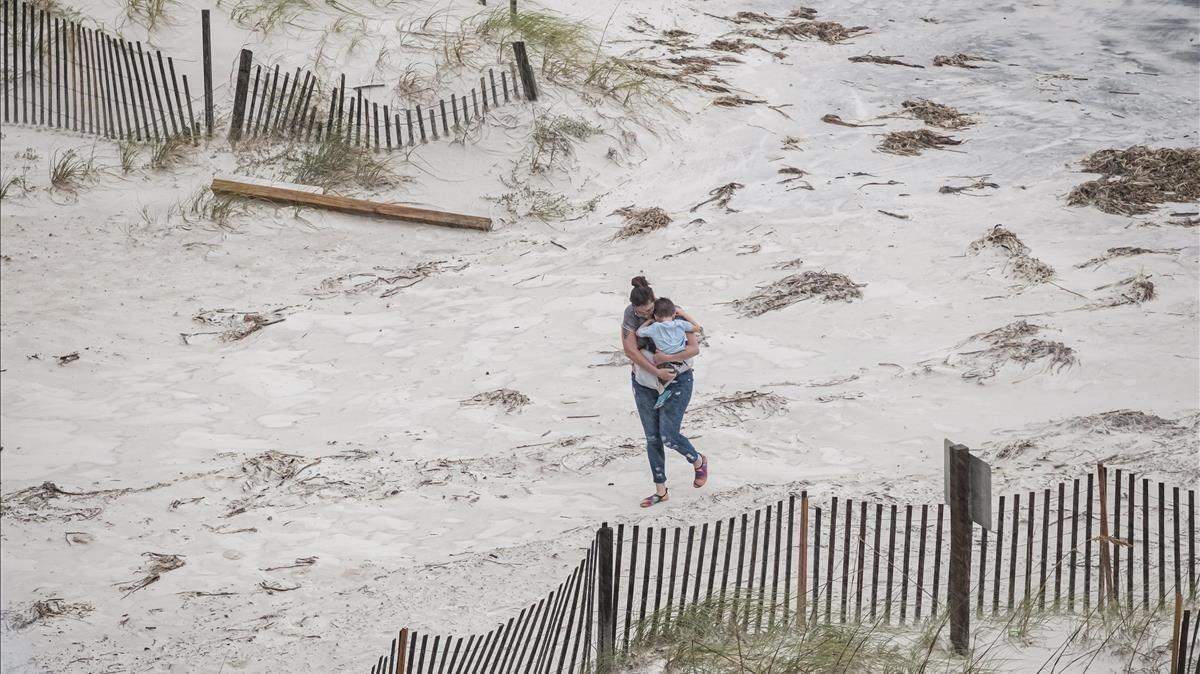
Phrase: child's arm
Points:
(644, 331)
(684, 315)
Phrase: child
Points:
(670, 336)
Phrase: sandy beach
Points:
(328, 479)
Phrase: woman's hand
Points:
(665, 374)
(690, 351)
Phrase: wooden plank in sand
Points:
(350, 205)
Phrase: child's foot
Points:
(655, 499)
(701, 473)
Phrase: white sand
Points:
(429, 514)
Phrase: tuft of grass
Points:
(67, 169)
(569, 53)
(555, 137)
(149, 13)
(10, 182)
(266, 15)
(205, 205)
(166, 153)
(336, 162)
(129, 153)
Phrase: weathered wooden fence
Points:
(61, 74)
(1075, 546)
(270, 101)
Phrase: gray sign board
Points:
(980, 478)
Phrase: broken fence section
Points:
(270, 101)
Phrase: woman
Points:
(660, 425)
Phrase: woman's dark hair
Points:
(641, 293)
(663, 307)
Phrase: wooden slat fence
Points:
(852, 560)
(61, 74)
(298, 105)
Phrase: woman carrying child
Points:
(661, 422)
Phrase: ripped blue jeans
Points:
(662, 425)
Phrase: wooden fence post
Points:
(802, 563)
(959, 581)
(606, 617)
(526, 70)
(401, 653)
(1104, 593)
(239, 95)
(1175, 649)
(206, 39)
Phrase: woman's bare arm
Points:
(687, 317)
(690, 351)
(629, 343)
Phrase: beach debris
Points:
(391, 279)
(795, 263)
(999, 237)
(1132, 290)
(69, 358)
(795, 175)
(1015, 343)
(894, 215)
(739, 408)
(834, 119)
(830, 287)
(641, 220)
(735, 46)
(1124, 251)
(237, 325)
(978, 183)
(889, 183)
(883, 60)
(735, 101)
(1019, 265)
(1135, 180)
(675, 38)
(721, 195)
(611, 359)
(272, 587)
(829, 32)
(174, 505)
(792, 143)
(833, 397)
(806, 13)
(158, 563)
(44, 610)
(685, 251)
(510, 400)
(749, 249)
(959, 60)
(935, 114)
(46, 502)
(910, 143)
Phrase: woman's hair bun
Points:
(640, 282)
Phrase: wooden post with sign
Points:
(968, 493)
(959, 586)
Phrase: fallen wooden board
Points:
(349, 205)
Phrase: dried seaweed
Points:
(739, 408)
(959, 60)
(829, 32)
(1135, 180)
(1124, 251)
(936, 114)
(910, 143)
(1019, 265)
(392, 279)
(999, 237)
(834, 119)
(158, 564)
(510, 400)
(795, 175)
(979, 183)
(641, 220)
(735, 101)
(883, 60)
(830, 287)
(1012, 343)
(237, 324)
(1133, 290)
(722, 195)
(43, 610)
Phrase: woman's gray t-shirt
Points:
(631, 321)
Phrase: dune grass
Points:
(336, 162)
